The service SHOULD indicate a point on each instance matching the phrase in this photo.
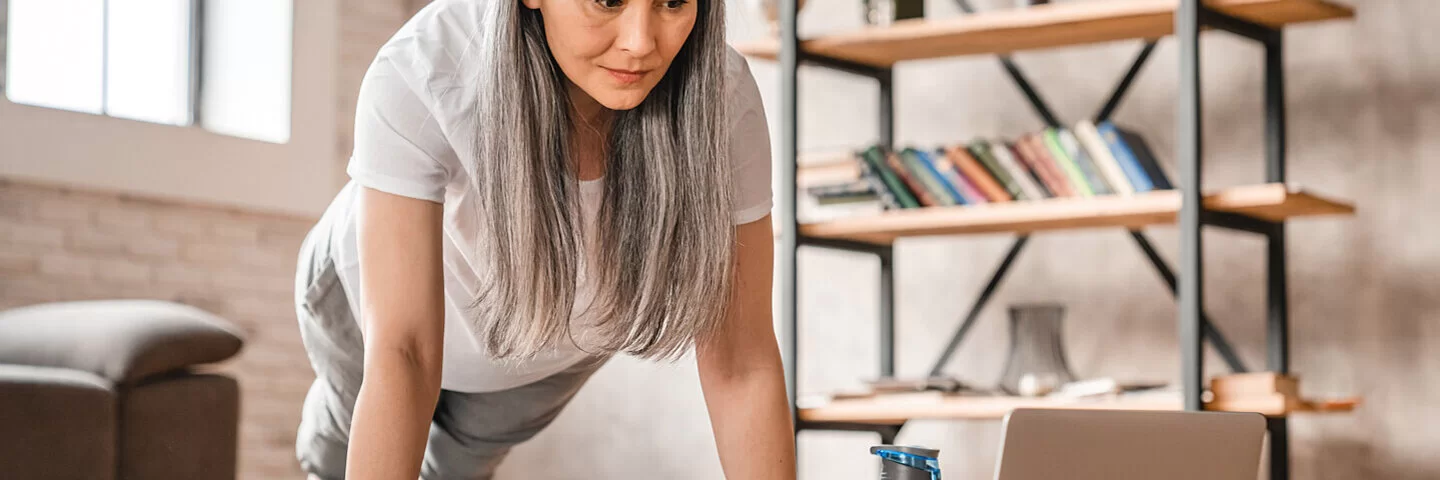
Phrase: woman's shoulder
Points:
(434, 49)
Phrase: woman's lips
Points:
(626, 76)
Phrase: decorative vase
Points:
(1036, 365)
(770, 10)
(881, 13)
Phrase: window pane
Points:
(53, 55)
(149, 54)
(246, 76)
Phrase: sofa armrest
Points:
(56, 423)
(122, 341)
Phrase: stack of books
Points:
(1088, 160)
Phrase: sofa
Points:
(102, 390)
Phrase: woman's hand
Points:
(402, 288)
(741, 372)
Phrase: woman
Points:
(536, 186)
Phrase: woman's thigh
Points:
(472, 432)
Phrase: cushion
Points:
(122, 341)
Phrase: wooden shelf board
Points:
(1273, 201)
(1040, 26)
(892, 412)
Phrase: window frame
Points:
(196, 64)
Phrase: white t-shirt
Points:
(411, 127)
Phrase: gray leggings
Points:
(469, 433)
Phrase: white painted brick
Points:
(66, 266)
(181, 275)
(249, 258)
(125, 217)
(17, 262)
(124, 272)
(40, 237)
(87, 240)
(63, 211)
(181, 225)
(153, 246)
(233, 231)
(250, 282)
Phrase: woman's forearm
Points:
(751, 417)
(392, 417)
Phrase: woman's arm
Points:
(741, 372)
(403, 311)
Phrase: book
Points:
(1090, 140)
(929, 178)
(948, 175)
(1054, 177)
(1133, 171)
(1093, 176)
(849, 192)
(877, 158)
(1051, 142)
(971, 192)
(981, 150)
(1147, 159)
(960, 156)
(896, 163)
(1020, 174)
(871, 176)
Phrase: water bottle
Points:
(907, 463)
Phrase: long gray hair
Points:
(665, 256)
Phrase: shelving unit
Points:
(1261, 209)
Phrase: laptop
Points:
(1041, 444)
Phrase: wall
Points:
(1363, 312)
(190, 163)
(94, 207)
(1364, 315)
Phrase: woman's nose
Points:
(637, 25)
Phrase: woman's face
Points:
(616, 50)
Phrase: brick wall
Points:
(58, 244)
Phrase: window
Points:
(224, 65)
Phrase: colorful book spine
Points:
(1033, 150)
(931, 178)
(1072, 171)
(1093, 176)
(981, 151)
(898, 164)
(972, 193)
(876, 158)
(1090, 140)
(1040, 154)
(972, 169)
(1022, 178)
(948, 175)
(871, 176)
(1147, 159)
(1133, 171)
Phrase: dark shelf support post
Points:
(1124, 86)
(1188, 142)
(786, 252)
(979, 305)
(1277, 290)
(1212, 333)
(887, 313)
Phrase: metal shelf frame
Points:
(1195, 327)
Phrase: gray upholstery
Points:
(56, 423)
(103, 390)
(119, 340)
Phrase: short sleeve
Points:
(399, 145)
(749, 144)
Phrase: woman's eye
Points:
(676, 4)
(609, 4)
